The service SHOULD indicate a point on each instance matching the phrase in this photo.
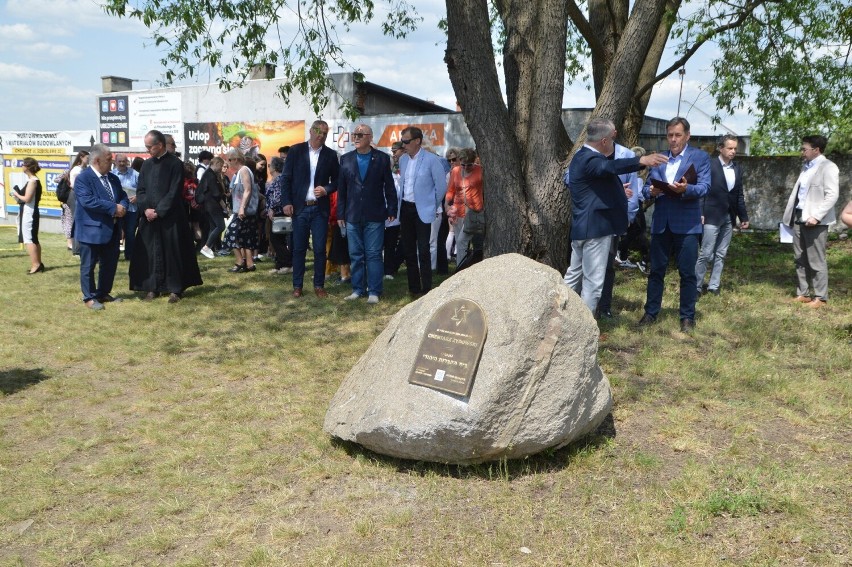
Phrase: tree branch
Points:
(585, 29)
(748, 9)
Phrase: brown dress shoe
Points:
(151, 295)
(802, 299)
(297, 292)
(174, 297)
(816, 303)
(321, 293)
(687, 326)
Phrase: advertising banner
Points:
(251, 138)
(123, 120)
(51, 168)
(440, 131)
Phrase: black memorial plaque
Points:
(451, 347)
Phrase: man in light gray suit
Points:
(809, 212)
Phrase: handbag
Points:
(282, 225)
(474, 221)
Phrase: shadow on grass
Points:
(18, 379)
(548, 461)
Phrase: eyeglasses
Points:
(359, 135)
(405, 142)
(468, 164)
(452, 159)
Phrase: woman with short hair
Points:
(242, 231)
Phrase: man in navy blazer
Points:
(366, 198)
(309, 177)
(100, 203)
(676, 224)
(424, 184)
(599, 207)
(720, 208)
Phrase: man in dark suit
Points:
(599, 207)
(676, 223)
(309, 177)
(720, 208)
(366, 198)
(100, 203)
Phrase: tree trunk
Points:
(522, 147)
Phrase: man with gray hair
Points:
(720, 208)
(366, 199)
(599, 207)
(101, 203)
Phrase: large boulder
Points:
(538, 384)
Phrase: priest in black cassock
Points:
(163, 260)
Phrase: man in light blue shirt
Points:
(129, 178)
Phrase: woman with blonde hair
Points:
(242, 231)
(28, 217)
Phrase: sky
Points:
(53, 54)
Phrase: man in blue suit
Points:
(676, 224)
(309, 177)
(101, 202)
(720, 208)
(424, 184)
(599, 207)
(366, 198)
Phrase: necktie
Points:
(105, 181)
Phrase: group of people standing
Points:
(697, 202)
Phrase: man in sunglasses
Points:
(366, 198)
(424, 183)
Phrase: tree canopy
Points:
(787, 61)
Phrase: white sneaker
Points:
(352, 296)
(285, 270)
(207, 253)
(388, 277)
(373, 299)
(628, 265)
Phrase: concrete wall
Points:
(768, 182)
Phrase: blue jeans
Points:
(684, 247)
(714, 248)
(366, 240)
(313, 222)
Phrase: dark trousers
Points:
(107, 256)
(415, 234)
(441, 261)
(394, 254)
(129, 223)
(281, 243)
(684, 247)
(635, 239)
(310, 222)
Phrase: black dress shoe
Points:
(714, 292)
(109, 299)
(647, 320)
(174, 297)
(604, 314)
(687, 325)
(150, 296)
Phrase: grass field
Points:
(190, 434)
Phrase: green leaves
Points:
(228, 38)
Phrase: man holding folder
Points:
(678, 187)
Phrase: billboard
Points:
(51, 168)
(124, 119)
(252, 138)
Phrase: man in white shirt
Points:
(809, 212)
(424, 184)
(720, 208)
